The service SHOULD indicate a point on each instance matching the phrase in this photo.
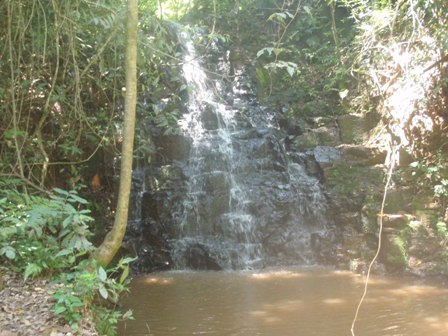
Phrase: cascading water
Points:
(245, 201)
(211, 171)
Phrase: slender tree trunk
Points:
(112, 242)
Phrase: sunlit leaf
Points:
(9, 252)
(103, 292)
(78, 199)
(124, 275)
(343, 94)
(102, 274)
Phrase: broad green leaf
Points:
(67, 221)
(262, 51)
(103, 292)
(69, 208)
(128, 260)
(102, 274)
(64, 252)
(9, 252)
(59, 309)
(7, 232)
(124, 275)
(277, 51)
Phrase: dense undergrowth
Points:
(51, 237)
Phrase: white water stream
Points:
(212, 163)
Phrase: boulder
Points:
(325, 136)
(326, 156)
(172, 148)
(362, 155)
(352, 128)
(197, 257)
(210, 118)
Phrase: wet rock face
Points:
(235, 190)
(268, 199)
(197, 257)
(266, 205)
(248, 195)
(173, 147)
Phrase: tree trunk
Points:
(112, 242)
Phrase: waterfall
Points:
(210, 123)
(238, 199)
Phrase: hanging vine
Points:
(56, 106)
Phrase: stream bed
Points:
(281, 302)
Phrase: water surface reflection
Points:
(298, 301)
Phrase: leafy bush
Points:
(432, 172)
(86, 287)
(48, 236)
(43, 235)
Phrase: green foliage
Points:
(85, 287)
(107, 319)
(302, 62)
(432, 173)
(62, 85)
(41, 235)
(442, 232)
(49, 236)
(397, 252)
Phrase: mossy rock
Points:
(398, 200)
(395, 253)
(352, 187)
(322, 136)
(352, 128)
(306, 141)
(360, 155)
(344, 178)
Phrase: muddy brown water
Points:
(283, 302)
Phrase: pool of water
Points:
(282, 302)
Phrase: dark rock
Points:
(197, 257)
(215, 182)
(210, 118)
(317, 122)
(324, 136)
(173, 147)
(324, 248)
(326, 156)
(362, 155)
(349, 219)
(352, 128)
(157, 212)
(291, 127)
(152, 259)
(312, 166)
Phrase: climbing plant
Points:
(60, 95)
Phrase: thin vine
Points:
(393, 159)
